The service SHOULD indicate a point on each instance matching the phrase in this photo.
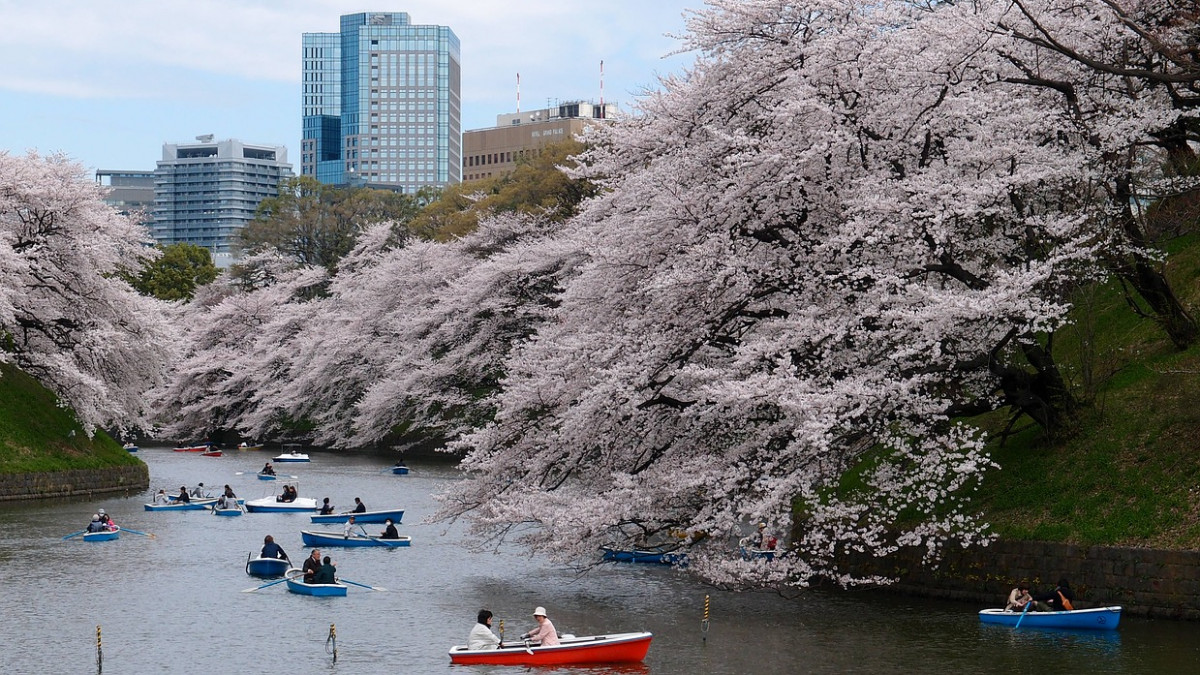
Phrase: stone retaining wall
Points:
(74, 482)
(1146, 582)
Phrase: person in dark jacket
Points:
(272, 550)
(327, 574)
(311, 565)
(1060, 599)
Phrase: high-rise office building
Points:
(205, 192)
(382, 104)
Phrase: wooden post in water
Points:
(99, 652)
(331, 642)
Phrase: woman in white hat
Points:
(544, 634)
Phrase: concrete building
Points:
(381, 104)
(496, 151)
(205, 192)
(129, 192)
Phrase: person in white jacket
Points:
(482, 636)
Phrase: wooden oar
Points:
(355, 583)
(1022, 617)
(271, 583)
(74, 534)
(144, 534)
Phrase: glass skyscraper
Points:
(382, 104)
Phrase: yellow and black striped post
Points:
(99, 652)
(704, 622)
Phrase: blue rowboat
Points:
(659, 555)
(194, 505)
(400, 470)
(267, 567)
(331, 538)
(365, 517)
(266, 476)
(228, 512)
(108, 535)
(131, 447)
(316, 589)
(1097, 618)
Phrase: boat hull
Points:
(267, 567)
(637, 555)
(365, 517)
(615, 648)
(400, 470)
(269, 505)
(291, 457)
(228, 512)
(102, 536)
(211, 453)
(323, 590)
(267, 476)
(1098, 618)
(194, 448)
(325, 539)
(196, 505)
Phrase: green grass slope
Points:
(1131, 476)
(38, 435)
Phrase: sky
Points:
(108, 83)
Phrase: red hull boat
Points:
(614, 648)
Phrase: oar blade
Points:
(366, 586)
(258, 588)
(74, 534)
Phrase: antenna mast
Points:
(602, 88)
(518, 92)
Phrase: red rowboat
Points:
(193, 448)
(211, 453)
(614, 648)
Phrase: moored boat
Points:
(267, 567)
(332, 538)
(1096, 618)
(272, 505)
(393, 515)
(291, 457)
(297, 586)
(244, 446)
(613, 648)
(105, 535)
(659, 555)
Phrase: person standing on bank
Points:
(482, 636)
(544, 634)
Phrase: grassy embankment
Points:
(1131, 476)
(36, 434)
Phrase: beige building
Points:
(496, 151)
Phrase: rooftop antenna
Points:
(601, 88)
(518, 93)
(205, 138)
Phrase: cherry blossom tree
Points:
(838, 231)
(67, 317)
(1128, 71)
